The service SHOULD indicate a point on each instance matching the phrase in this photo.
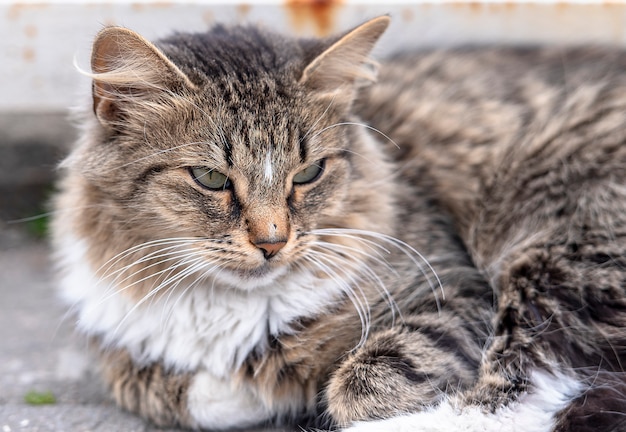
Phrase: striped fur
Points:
(453, 259)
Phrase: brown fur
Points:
(503, 167)
(150, 391)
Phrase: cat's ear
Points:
(347, 60)
(128, 69)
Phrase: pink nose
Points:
(270, 249)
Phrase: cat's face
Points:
(240, 177)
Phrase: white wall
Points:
(39, 41)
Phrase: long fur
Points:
(454, 258)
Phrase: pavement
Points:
(40, 353)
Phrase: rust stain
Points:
(30, 31)
(479, 7)
(162, 4)
(208, 17)
(140, 7)
(28, 55)
(407, 14)
(318, 13)
(15, 11)
(561, 5)
(475, 7)
(152, 5)
(243, 10)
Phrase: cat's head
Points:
(239, 142)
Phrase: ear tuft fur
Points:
(127, 67)
(346, 61)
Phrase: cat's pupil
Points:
(310, 173)
(210, 178)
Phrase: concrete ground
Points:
(39, 352)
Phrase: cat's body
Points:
(287, 284)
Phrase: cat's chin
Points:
(252, 279)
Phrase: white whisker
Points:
(169, 256)
(154, 291)
(362, 307)
(114, 290)
(403, 247)
(318, 119)
(364, 270)
(366, 126)
(207, 268)
(136, 248)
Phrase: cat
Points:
(257, 229)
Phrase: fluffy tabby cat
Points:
(252, 234)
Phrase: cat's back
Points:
(467, 114)
(485, 93)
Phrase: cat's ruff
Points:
(208, 327)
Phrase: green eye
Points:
(310, 173)
(210, 179)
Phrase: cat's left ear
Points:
(128, 70)
(346, 61)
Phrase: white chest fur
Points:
(205, 327)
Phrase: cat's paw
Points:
(218, 404)
(394, 371)
(534, 411)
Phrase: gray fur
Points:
(505, 168)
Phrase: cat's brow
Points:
(155, 154)
(302, 142)
(302, 149)
(228, 154)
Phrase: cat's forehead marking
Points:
(268, 168)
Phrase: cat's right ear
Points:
(126, 70)
(339, 67)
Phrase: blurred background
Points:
(47, 380)
(42, 42)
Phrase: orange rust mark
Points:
(319, 13)
(561, 5)
(30, 31)
(15, 10)
(161, 4)
(152, 5)
(475, 7)
(140, 7)
(478, 7)
(208, 17)
(243, 10)
(407, 14)
(512, 5)
(28, 54)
